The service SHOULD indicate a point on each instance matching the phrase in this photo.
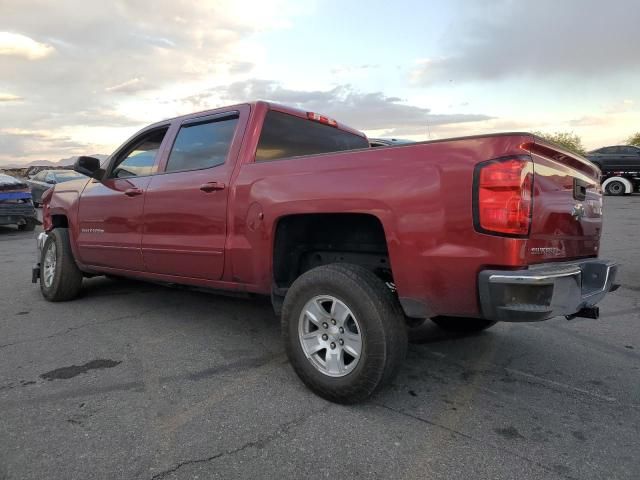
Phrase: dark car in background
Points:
(45, 179)
(616, 157)
(16, 207)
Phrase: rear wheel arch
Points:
(307, 240)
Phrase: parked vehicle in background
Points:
(16, 207)
(620, 167)
(387, 142)
(620, 182)
(45, 179)
(616, 157)
(354, 244)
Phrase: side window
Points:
(140, 158)
(39, 177)
(627, 150)
(50, 178)
(202, 144)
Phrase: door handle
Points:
(212, 186)
(133, 192)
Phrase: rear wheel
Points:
(344, 332)
(60, 278)
(616, 188)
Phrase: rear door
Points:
(185, 213)
(110, 212)
(567, 205)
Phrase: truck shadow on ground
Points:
(251, 321)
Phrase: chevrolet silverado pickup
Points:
(354, 245)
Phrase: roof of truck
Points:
(270, 105)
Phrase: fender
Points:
(628, 187)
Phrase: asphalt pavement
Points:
(140, 381)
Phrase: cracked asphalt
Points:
(138, 381)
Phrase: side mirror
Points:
(89, 166)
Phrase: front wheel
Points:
(60, 278)
(344, 332)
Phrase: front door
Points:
(185, 212)
(110, 212)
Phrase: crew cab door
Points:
(185, 213)
(110, 212)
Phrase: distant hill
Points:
(63, 162)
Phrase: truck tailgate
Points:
(567, 205)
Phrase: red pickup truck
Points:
(355, 245)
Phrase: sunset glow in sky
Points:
(79, 77)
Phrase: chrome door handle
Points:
(133, 192)
(212, 186)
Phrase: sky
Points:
(81, 76)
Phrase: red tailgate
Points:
(567, 205)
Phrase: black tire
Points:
(462, 324)
(616, 188)
(30, 226)
(381, 323)
(67, 278)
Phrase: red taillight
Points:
(322, 119)
(504, 196)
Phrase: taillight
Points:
(503, 196)
(316, 117)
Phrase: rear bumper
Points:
(545, 291)
(17, 213)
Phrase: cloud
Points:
(7, 97)
(364, 111)
(351, 69)
(503, 38)
(132, 85)
(89, 58)
(16, 45)
(18, 144)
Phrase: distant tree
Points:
(568, 140)
(634, 139)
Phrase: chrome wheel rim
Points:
(330, 336)
(49, 267)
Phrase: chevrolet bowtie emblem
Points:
(578, 211)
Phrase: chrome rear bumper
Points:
(545, 291)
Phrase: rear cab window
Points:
(285, 136)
